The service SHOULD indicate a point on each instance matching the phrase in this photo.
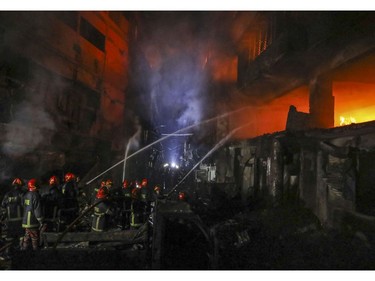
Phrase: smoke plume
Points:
(27, 129)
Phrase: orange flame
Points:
(347, 120)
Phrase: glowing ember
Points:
(347, 120)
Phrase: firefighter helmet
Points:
(17, 182)
(135, 193)
(102, 193)
(108, 183)
(53, 180)
(69, 177)
(182, 196)
(31, 185)
(144, 183)
(157, 189)
(125, 184)
(102, 183)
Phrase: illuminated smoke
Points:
(180, 50)
(28, 129)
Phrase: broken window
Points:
(91, 34)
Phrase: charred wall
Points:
(326, 170)
(63, 77)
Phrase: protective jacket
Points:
(12, 203)
(52, 203)
(70, 193)
(101, 217)
(33, 213)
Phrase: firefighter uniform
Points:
(33, 216)
(115, 194)
(52, 203)
(101, 219)
(145, 199)
(70, 205)
(137, 208)
(13, 210)
(126, 204)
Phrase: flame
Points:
(347, 120)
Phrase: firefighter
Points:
(145, 198)
(13, 210)
(136, 209)
(126, 204)
(96, 189)
(33, 217)
(52, 202)
(101, 219)
(69, 192)
(116, 197)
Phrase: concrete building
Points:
(63, 79)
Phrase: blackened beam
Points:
(126, 237)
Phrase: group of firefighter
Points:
(25, 213)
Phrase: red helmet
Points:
(17, 181)
(108, 183)
(144, 183)
(125, 184)
(102, 183)
(135, 193)
(102, 193)
(69, 177)
(31, 185)
(182, 196)
(53, 180)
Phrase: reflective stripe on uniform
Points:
(28, 217)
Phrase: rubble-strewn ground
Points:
(279, 238)
(291, 238)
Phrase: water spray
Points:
(218, 145)
(170, 135)
(127, 151)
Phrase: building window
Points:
(69, 18)
(91, 34)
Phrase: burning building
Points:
(242, 111)
(63, 81)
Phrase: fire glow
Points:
(347, 120)
(354, 103)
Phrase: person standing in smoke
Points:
(126, 204)
(52, 202)
(70, 205)
(101, 219)
(116, 197)
(33, 217)
(136, 211)
(96, 189)
(145, 198)
(12, 209)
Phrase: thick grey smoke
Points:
(27, 130)
(177, 47)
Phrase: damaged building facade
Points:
(63, 81)
(279, 110)
(320, 154)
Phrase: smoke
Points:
(27, 129)
(179, 48)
